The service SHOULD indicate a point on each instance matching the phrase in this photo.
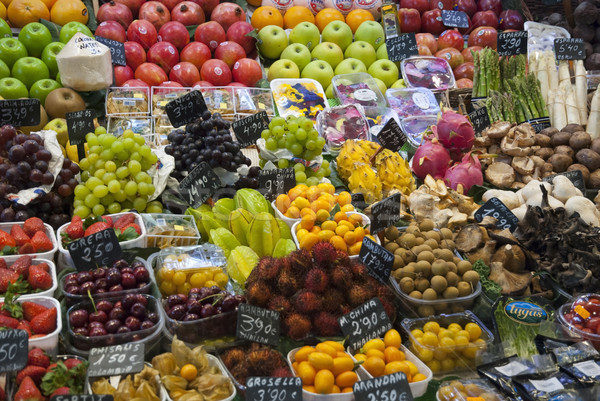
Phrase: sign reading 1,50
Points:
(115, 358)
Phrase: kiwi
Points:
(391, 246)
(452, 279)
(407, 285)
(419, 241)
(432, 243)
(398, 262)
(429, 294)
(421, 248)
(416, 294)
(439, 267)
(471, 277)
(439, 284)
(450, 293)
(426, 225)
(464, 288)
(391, 233)
(446, 233)
(445, 254)
(425, 310)
(426, 256)
(407, 240)
(451, 267)
(423, 267)
(433, 235)
(421, 284)
(463, 266)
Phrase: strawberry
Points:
(28, 391)
(136, 227)
(2, 311)
(96, 227)
(108, 219)
(31, 309)
(75, 229)
(3, 264)
(32, 225)
(39, 279)
(2, 394)
(44, 266)
(24, 325)
(7, 321)
(38, 357)
(41, 242)
(44, 323)
(21, 265)
(61, 391)
(27, 248)
(72, 362)
(7, 276)
(35, 372)
(6, 240)
(124, 221)
(17, 232)
(51, 367)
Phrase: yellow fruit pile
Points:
(447, 348)
(325, 368)
(316, 201)
(173, 278)
(384, 357)
(457, 391)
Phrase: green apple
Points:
(4, 70)
(272, 40)
(283, 68)
(35, 36)
(29, 70)
(5, 31)
(58, 78)
(59, 125)
(328, 52)
(307, 34)
(320, 71)
(339, 33)
(49, 56)
(40, 89)
(71, 28)
(371, 32)
(382, 53)
(11, 50)
(398, 84)
(381, 85)
(329, 94)
(298, 53)
(12, 88)
(363, 51)
(384, 70)
(350, 66)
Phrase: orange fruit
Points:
(6, 3)
(397, 366)
(295, 15)
(327, 349)
(339, 216)
(293, 212)
(308, 212)
(393, 354)
(302, 354)
(282, 203)
(48, 3)
(419, 377)
(324, 381)
(320, 360)
(357, 17)
(308, 241)
(306, 373)
(326, 15)
(264, 16)
(64, 11)
(2, 11)
(375, 366)
(341, 365)
(354, 249)
(338, 243)
(22, 12)
(325, 235)
(188, 372)
(344, 198)
(346, 379)
(392, 338)
(255, 3)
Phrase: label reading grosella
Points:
(199, 185)
(20, 112)
(455, 19)
(99, 249)
(185, 109)
(498, 210)
(276, 181)
(83, 397)
(248, 130)
(569, 49)
(274, 389)
(391, 136)
(365, 323)
(512, 43)
(385, 213)
(117, 50)
(480, 119)
(392, 387)
(402, 46)
(258, 325)
(576, 177)
(116, 360)
(13, 351)
(378, 260)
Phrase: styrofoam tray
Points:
(50, 291)
(43, 255)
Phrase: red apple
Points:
(151, 74)
(441, 4)
(431, 22)
(202, 84)
(163, 54)
(468, 6)
(468, 56)
(185, 73)
(428, 40)
(493, 5)
(112, 30)
(485, 18)
(484, 36)
(424, 51)
(133, 5)
(170, 3)
(114, 11)
(211, 34)
(134, 54)
(410, 20)
(421, 5)
(464, 83)
(237, 33)
(157, 13)
(226, 14)
(196, 53)
(135, 83)
(465, 70)
(188, 13)
(247, 72)
(451, 38)
(216, 72)
(511, 19)
(237, 84)
(229, 52)
(166, 86)
(143, 32)
(175, 33)
(122, 73)
(453, 56)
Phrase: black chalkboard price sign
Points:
(402, 46)
(575, 176)
(273, 389)
(569, 49)
(20, 112)
(276, 181)
(83, 397)
(13, 350)
(258, 325)
(185, 109)
(99, 249)
(498, 210)
(392, 387)
(199, 185)
(79, 124)
(117, 50)
(248, 130)
(385, 213)
(358, 201)
(378, 260)
(366, 322)
(480, 119)
(455, 19)
(391, 136)
(116, 360)
(512, 43)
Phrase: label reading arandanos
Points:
(525, 312)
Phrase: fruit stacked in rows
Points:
(317, 201)
(36, 319)
(447, 348)
(115, 175)
(126, 227)
(201, 303)
(256, 360)
(325, 368)
(384, 357)
(173, 279)
(25, 238)
(25, 276)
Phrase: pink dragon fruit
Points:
(455, 132)
(430, 158)
(466, 173)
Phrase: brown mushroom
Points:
(542, 140)
(511, 283)
(544, 153)
(584, 171)
(570, 128)
(484, 253)
(523, 165)
(512, 258)
(501, 175)
(525, 135)
(469, 238)
(482, 141)
(549, 131)
(499, 129)
(565, 150)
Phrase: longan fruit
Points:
(426, 225)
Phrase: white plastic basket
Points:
(50, 291)
(43, 255)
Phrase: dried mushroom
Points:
(469, 238)
(512, 258)
(510, 146)
(499, 129)
(511, 283)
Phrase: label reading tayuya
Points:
(511, 369)
(547, 386)
(588, 368)
(525, 312)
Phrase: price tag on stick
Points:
(378, 260)
(79, 124)
(116, 360)
(99, 249)
(391, 136)
(83, 397)
(199, 185)
(258, 325)
(366, 322)
(20, 112)
(512, 43)
(13, 350)
(274, 388)
(385, 213)
(185, 109)
(480, 119)
(276, 181)
(569, 49)
(576, 177)
(455, 19)
(402, 46)
(247, 130)
(498, 210)
(117, 50)
(392, 387)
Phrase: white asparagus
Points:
(593, 124)
(560, 114)
(542, 76)
(552, 72)
(581, 91)
(570, 103)
(550, 107)
(563, 72)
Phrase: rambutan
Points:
(342, 258)
(341, 277)
(267, 268)
(297, 326)
(332, 300)
(384, 292)
(357, 295)
(359, 270)
(316, 280)
(280, 304)
(306, 301)
(240, 372)
(300, 261)
(281, 372)
(287, 283)
(389, 308)
(261, 362)
(324, 254)
(345, 309)
(326, 324)
(233, 356)
(258, 293)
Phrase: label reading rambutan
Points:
(258, 325)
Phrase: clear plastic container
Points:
(253, 100)
(427, 72)
(377, 117)
(541, 37)
(115, 380)
(129, 101)
(415, 127)
(358, 88)
(299, 97)
(467, 390)
(412, 102)
(163, 95)
(573, 316)
(50, 291)
(340, 123)
(204, 331)
(220, 100)
(142, 125)
(167, 230)
(41, 255)
(162, 128)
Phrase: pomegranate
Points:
(466, 173)
(207, 5)
(455, 132)
(468, 53)
(511, 19)
(188, 13)
(227, 13)
(133, 5)
(156, 13)
(237, 33)
(430, 158)
(170, 3)
(115, 12)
